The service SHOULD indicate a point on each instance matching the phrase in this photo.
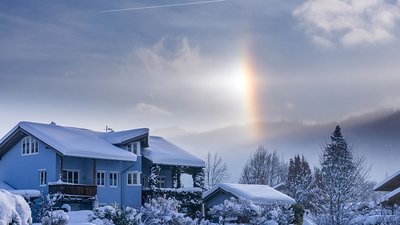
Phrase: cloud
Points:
(167, 56)
(348, 22)
(149, 108)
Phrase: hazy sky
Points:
(319, 60)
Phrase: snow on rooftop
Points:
(161, 151)
(27, 193)
(387, 180)
(258, 194)
(118, 137)
(76, 142)
(5, 186)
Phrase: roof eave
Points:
(389, 184)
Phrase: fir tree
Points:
(299, 180)
(342, 180)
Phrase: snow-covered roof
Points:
(258, 194)
(122, 136)
(27, 193)
(5, 186)
(390, 183)
(71, 141)
(391, 197)
(163, 152)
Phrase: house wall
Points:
(83, 165)
(217, 198)
(122, 194)
(165, 171)
(22, 171)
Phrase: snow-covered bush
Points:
(378, 215)
(48, 204)
(56, 217)
(157, 211)
(164, 211)
(116, 215)
(239, 210)
(189, 198)
(14, 209)
(245, 211)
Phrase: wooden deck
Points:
(73, 189)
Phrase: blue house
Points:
(86, 165)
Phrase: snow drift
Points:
(14, 209)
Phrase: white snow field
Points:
(14, 209)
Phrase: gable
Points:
(10, 141)
(67, 141)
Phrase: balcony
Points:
(68, 189)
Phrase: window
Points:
(133, 178)
(100, 178)
(71, 176)
(161, 181)
(42, 177)
(29, 146)
(113, 179)
(134, 148)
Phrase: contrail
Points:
(164, 6)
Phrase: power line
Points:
(164, 6)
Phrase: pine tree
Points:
(342, 180)
(299, 180)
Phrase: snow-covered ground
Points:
(79, 217)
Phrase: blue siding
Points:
(22, 172)
(122, 194)
(217, 198)
(107, 194)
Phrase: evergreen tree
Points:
(198, 176)
(153, 178)
(264, 167)
(299, 180)
(342, 180)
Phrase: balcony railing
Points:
(73, 189)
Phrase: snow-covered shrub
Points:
(157, 211)
(14, 209)
(66, 207)
(245, 211)
(56, 217)
(48, 204)
(116, 215)
(190, 198)
(239, 210)
(164, 211)
(378, 215)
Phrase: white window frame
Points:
(133, 174)
(163, 182)
(113, 181)
(73, 176)
(42, 177)
(29, 146)
(131, 148)
(101, 179)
